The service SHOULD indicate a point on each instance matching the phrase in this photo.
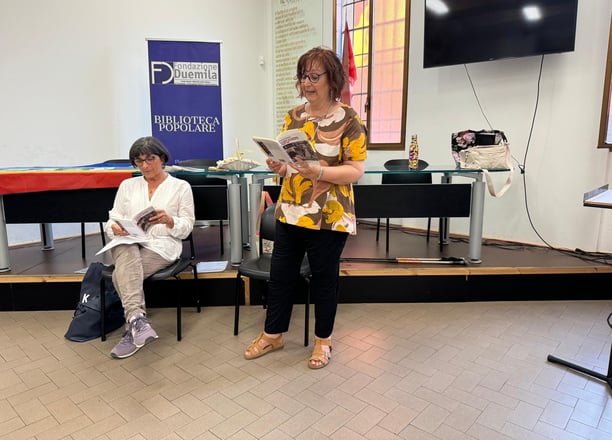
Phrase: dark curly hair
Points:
(148, 145)
(332, 65)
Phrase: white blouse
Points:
(172, 195)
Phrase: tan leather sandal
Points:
(321, 354)
(256, 349)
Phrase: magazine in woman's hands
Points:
(140, 224)
(287, 146)
(136, 228)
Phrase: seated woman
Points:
(173, 201)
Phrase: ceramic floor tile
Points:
(434, 371)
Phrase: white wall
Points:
(562, 162)
(74, 80)
(74, 90)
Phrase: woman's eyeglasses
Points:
(312, 77)
(149, 160)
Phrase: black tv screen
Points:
(470, 31)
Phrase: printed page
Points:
(287, 147)
(121, 239)
(272, 149)
(296, 143)
(132, 228)
(138, 226)
(143, 218)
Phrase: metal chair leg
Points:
(387, 241)
(239, 288)
(307, 313)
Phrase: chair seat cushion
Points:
(259, 268)
(175, 268)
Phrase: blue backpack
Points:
(85, 324)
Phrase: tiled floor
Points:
(449, 371)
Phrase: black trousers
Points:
(323, 249)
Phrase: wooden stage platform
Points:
(46, 279)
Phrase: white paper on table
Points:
(211, 266)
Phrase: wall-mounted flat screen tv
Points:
(471, 31)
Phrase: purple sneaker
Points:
(142, 332)
(125, 347)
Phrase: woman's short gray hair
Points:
(149, 145)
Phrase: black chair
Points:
(205, 209)
(405, 178)
(102, 234)
(259, 269)
(174, 270)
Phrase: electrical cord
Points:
(601, 258)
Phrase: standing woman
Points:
(315, 211)
(173, 201)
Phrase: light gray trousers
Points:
(133, 264)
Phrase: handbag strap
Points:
(508, 182)
(491, 187)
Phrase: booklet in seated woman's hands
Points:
(287, 146)
(136, 228)
(140, 224)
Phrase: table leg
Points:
(235, 223)
(476, 219)
(445, 221)
(5, 265)
(244, 206)
(255, 200)
(46, 237)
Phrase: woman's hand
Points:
(162, 218)
(118, 230)
(308, 170)
(276, 167)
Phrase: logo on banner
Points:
(185, 73)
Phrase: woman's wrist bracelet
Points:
(320, 173)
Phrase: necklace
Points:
(320, 118)
(152, 185)
(316, 120)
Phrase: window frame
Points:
(338, 24)
(606, 114)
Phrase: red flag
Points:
(348, 63)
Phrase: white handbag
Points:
(496, 156)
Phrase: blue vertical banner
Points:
(185, 89)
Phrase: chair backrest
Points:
(273, 191)
(402, 164)
(210, 202)
(267, 226)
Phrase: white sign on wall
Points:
(298, 27)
